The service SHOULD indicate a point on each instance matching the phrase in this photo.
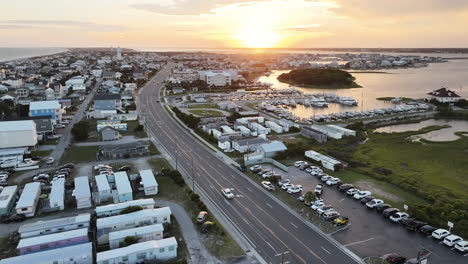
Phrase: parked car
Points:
(3, 177)
(301, 198)
(326, 178)
(352, 192)
(330, 215)
(361, 194)
(373, 203)
(452, 240)
(389, 212)
(462, 246)
(345, 187)
(366, 199)
(318, 189)
(125, 168)
(242, 168)
(304, 166)
(54, 136)
(440, 234)
(381, 207)
(267, 175)
(299, 163)
(3, 183)
(255, 168)
(295, 189)
(285, 181)
(317, 204)
(41, 177)
(286, 186)
(267, 185)
(263, 171)
(394, 258)
(50, 161)
(398, 217)
(58, 126)
(68, 165)
(427, 230)
(227, 193)
(413, 225)
(324, 209)
(202, 216)
(317, 172)
(333, 181)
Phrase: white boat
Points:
(27, 163)
(347, 101)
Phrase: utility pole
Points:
(177, 156)
(193, 176)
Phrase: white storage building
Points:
(273, 126)
(343, 131)
(57, 225)
(124, 190)
(57, 194)
(14, 134)
(327, 162)
(150, 185)
(7, 199)
(28, 200)
(115, 209)
(154, 250)
(82, 193)
(259, 128)
(78, 254)
(139, 218)
(104, 192)
(142, 233)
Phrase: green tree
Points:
(129, 240)
(308, 196)
(80, 130)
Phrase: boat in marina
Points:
(347, 101)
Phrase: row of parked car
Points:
(61, 173)
(284, 184)
(394, 214)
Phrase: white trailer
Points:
(28, 200)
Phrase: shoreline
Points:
(34, 56)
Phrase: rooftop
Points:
(28, 196)
(120, 206)
(136, 231)
(443, 92)
(139, 247)
(8, 126)
(82, 187)
(40, 105)
(122, 182)
(131, 217)
(148, 179)
(40, 225)
(82, 251)
(7, 194)
(27, 242)
(98, 97)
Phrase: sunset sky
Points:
(235, 23)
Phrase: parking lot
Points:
(370, 234)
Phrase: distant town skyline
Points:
(234, 24)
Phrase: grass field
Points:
(77, 154)
(195, 106)
(206, 113)
(131, 125)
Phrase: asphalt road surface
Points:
(268, 226)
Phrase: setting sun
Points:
(258, 37)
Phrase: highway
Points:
(268, 226)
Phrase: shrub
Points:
(131, 209)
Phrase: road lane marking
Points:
(326, 250)
(269, 205)
(270, 245)
(293, 225)
(341, 200)
(359, 242)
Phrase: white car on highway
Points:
(440, 233)
(452, 240)
(361, 194)
(227, 193)
(398, 217)
(267, 185)
(373, 203)
(295, 189)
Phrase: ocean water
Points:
(7, 54)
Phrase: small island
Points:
(319, 78)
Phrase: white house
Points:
(76, 83)
(104, 192)
(142, 233)
(149, 183)
(216, 78)
(115, 209)
(14, 134)
(327, 162)
(77, 254)
(57, 225)
(153, 250)
(57, 194)
(246, 145)
(124, 190)
(82, 192)
(28, 200)
(444, 95)
(125, 221)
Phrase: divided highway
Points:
(268, 226)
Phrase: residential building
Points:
(271, 149)
(57, 195)
(8, 198)
(216, 78)
(107, 102)
(444, 95)
(115, 209)
(115, 124)
(153, 250)
(274, 127)
(76, 83)
(77, 254)
(312, 133)
(139, 148)
(142, 233)
(109, 133)
(123, 190)
(27, 202)
(14, 134)
(44, 126)
(104, 191)
(246, 145)
(327, 162)
(46, 108)
(82, 192)
(52, 241)
(149, 183)
(124, 117)
(57, 225)
(125, 221)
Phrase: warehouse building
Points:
(15, 134)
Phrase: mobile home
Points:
(82, 192)
(104, 192)
(150, 185)
(115, 209)
(52, 241)
(78, 254)
(8, 199)
(57, 195)
(28, 200)
(143, 233)
(52, 226)
(153, 250)
(327, 162)
(124, 189)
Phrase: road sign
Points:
(450, 224)
(405, 207)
